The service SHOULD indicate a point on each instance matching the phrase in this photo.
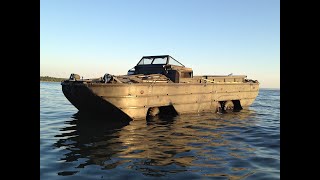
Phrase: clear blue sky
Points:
(94, 37)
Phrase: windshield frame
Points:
(152, 59)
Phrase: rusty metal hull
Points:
(133, 100)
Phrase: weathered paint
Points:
(133, 95)
(185, 98)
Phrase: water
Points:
(239, 145)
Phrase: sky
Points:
(213, 37)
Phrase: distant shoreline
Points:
(51, 79)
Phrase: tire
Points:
(153, 111)
(228, 106)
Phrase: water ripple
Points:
(221, 146)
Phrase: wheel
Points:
(228, 106)
(153, 111)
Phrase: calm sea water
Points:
(239, 145)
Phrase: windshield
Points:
(159, 60)
(153, 60)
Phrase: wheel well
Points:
(164, 111)
(236, 105)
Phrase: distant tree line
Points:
(51, 79)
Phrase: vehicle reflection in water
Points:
(201, 144)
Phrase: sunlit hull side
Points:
(133, 100)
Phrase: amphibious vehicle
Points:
(160, 84)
